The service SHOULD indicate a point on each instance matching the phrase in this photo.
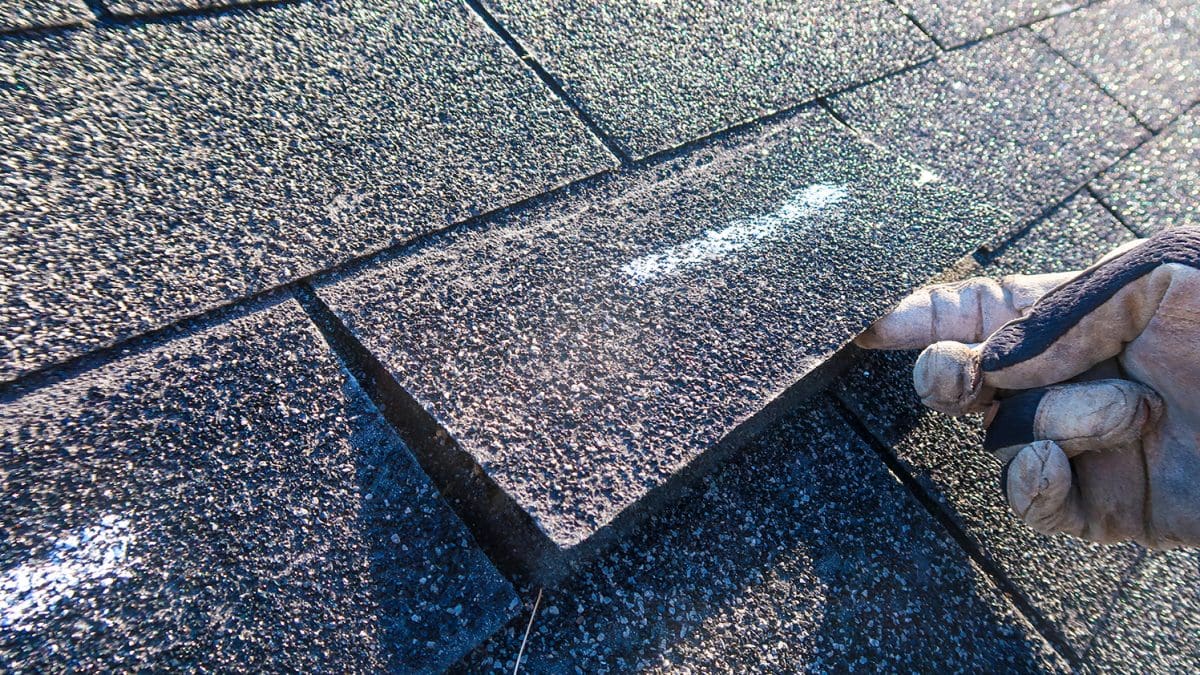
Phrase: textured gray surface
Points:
(1141, 56)
(586, 351)
(144, 7)
(1158, 185)
(23, 14)
(1187, 11)
(1006, 118)
(1073, 584)
(228, 501)
(1073, 237)
(154, 171)
(954, 22)
(801, 555)
(1153, 628)
(654, 75)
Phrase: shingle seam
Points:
(43, 30)
(1154, 135)
(549, 80)
(1119, 598)
(986, 257)
(103, 17)
(912, 18)
(1040, 623)
(1111, 211)
(40, 376)
(1077, 67)
(1025, 24)
(780, 115)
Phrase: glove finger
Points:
(967, 311)
(948, 379)
(1041, 491)
(1101, 415)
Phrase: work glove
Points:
(1090, 381)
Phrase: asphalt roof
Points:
(332, 332)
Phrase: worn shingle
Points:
(155, 171)
(1006, 118)
(1146, 60)
(228, 501)
(655, 75)
(587, 351)
(1158, 185)
(25, 14)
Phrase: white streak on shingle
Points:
(737, 236)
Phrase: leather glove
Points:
(1091, 382)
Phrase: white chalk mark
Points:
(738, 235)
(926, 178)
(34, 588)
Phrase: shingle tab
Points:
(24, 14)
(1146, 60)
(151, 7)
(802, 554)
(1071, 583)
(151, 172)
(655, 75)
(955, 22)
(1158, 185)
(228, 501)
(1006, 118)
(585, 352)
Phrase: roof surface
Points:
(332, 332)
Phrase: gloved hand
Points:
(1091, 381)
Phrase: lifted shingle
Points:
(802, 554)
(586, 353)
(151, 7)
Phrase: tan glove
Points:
(1091, 381)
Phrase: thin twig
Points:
(528, 628)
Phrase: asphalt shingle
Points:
(586, 351)
(24, 14)
(1154, 626)
(147, 7)
(1157, 186)
(1006, 118)
(655, 75)
(801, 555)
(218, 156)
(1141, 57)
(1187, 11)
(228, 501)
(955, 22)
(1072, 583)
